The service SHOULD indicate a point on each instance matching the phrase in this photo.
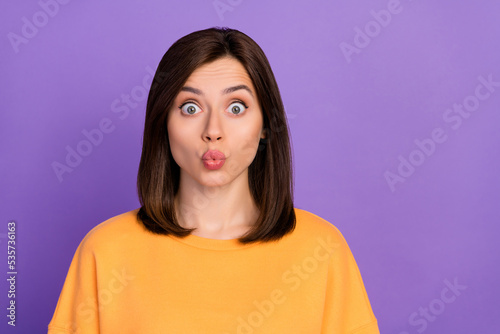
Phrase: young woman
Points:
(217, 245)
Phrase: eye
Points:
(190, 108)
(237, 108)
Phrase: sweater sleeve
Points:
(347, 308)
(77, 308)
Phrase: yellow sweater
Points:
(124, 279)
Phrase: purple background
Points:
(351, 118)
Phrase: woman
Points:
(217, 246)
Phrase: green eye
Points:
(190, 108)
(237, 108)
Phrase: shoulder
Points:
(308, 222)
(113, 230)
(312, 227)
(314, 231)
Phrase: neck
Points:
(216, 212)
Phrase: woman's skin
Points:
(217, 202)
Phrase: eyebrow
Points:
(225, 91)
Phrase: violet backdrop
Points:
(393, 107)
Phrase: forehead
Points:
(220, 71)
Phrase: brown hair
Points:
(270, 173)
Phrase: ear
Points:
(263, 134)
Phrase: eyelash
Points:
(189, 101)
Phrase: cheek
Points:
(248, 142)
(178, 144)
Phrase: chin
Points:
(215, 180)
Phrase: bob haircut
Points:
(270, 173)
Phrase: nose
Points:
(213, 128)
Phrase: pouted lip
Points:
(213, 155)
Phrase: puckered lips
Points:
(213, 159)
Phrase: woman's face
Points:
(215, 124)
